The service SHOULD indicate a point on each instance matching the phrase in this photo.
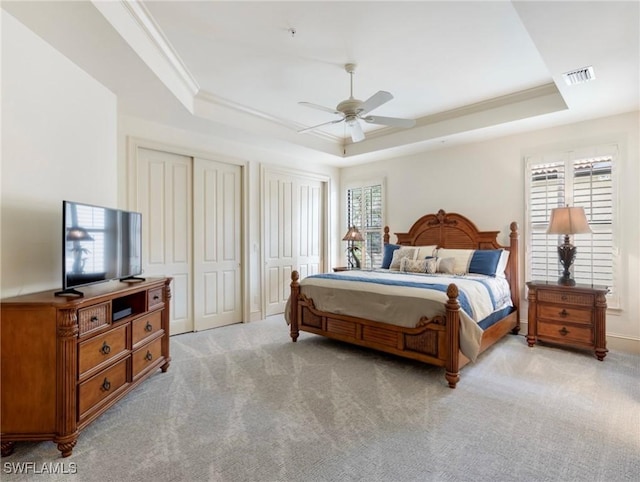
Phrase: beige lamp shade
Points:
(353, 235)
(568, 220)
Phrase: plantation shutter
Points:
(587, 182)
(364, 211)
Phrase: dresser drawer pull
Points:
(148, 327)
(148, 356)
(106, 385)
(564, 331)
(563, 297)
(156, 297)
(94, 319)
(564, 313)
(106, 349)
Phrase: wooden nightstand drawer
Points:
(563, 298)
(565, 333)
(94, 317)
(96, 351)
(564, 314)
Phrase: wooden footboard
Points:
(435, 341)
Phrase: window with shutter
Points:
(365, 211)
(574, 179)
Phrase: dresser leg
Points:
(66, 448)
(6, 448)
(531, 340)
(601, 353)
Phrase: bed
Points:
(443, 334)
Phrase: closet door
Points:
(293, 236)
(217, 270)
(164, 197)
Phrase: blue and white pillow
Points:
(490, 262)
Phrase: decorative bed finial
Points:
(441, 218)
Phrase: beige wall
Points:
(485, 181)
(59, 138)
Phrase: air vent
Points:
(579, 76)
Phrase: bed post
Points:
(385, 237)
(293, 316)
(514, 276)
(453, 336)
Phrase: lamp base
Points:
(566, 281)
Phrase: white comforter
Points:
(403, 298)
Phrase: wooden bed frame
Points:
(435, 340)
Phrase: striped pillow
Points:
(479, 261)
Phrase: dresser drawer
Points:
(94, 317)
(564, 314)
(145, 327)
(564, 298)
(96, 351)
(146, 356)
(154, 298)
(565, 333)
(101, 386)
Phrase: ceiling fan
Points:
(352, 110)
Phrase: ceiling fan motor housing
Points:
(349, 107)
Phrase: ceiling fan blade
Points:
(389, 121)
(375, 101)
(320, 125)
(357, 134)
(320, 107)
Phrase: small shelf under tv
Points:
(130, 305)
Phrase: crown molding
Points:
(135, 25)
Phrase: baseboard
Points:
(614, 342)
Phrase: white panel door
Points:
(292, 234)
(164, 197)
(217, 190)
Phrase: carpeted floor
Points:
(243, 403)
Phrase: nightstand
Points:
(568, 315)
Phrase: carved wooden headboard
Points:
(454, 231)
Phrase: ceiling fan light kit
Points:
(352, 110)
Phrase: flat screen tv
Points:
(99, 244)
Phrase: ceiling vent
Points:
(579, 76)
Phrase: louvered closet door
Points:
(292, 234)
(217, 241)
(164, 197)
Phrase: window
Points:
(365, 212)
(574, 179)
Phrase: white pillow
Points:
(440, 265)
(425, 251)
(403, 252)
(461, 257)
(502, 264)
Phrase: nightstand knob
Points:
(564, 312)
(564, 331)
(564, 297)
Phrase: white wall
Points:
(59, 138)
(485, 182)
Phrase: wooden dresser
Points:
(568, 315)
(65, 360)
